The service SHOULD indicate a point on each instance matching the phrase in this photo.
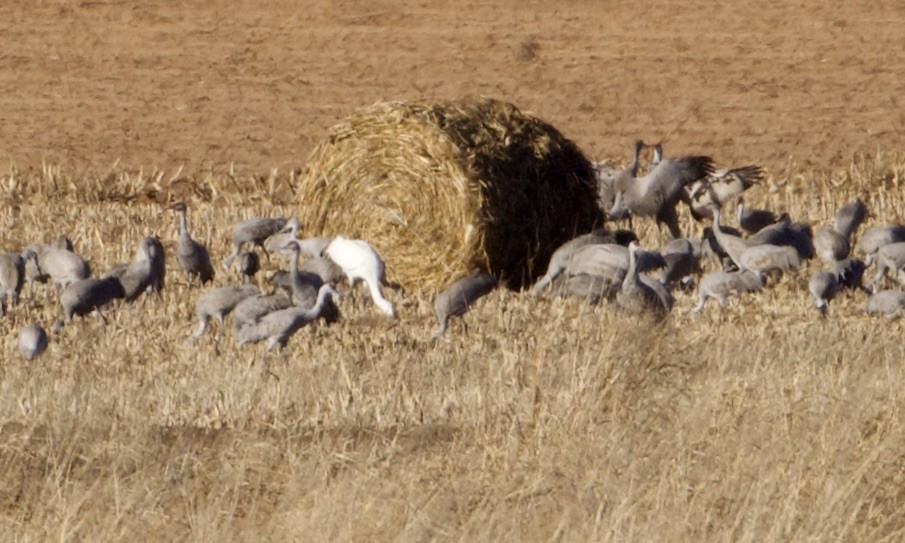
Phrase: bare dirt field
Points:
(194, 83)
(544, 419)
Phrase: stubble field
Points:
(545, 419)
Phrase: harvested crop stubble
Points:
(440, 189)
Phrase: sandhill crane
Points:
(358, 260)
(608, 176)
(192, 255)
(248, 264)
(786, 233)
(683, 258)
(721, 285)
(278, 326)
(62, 266)
(753, 221)
(218, 303)
(849, 217)
(874, 238)
(253, 231)
(602, 259)
(636, 296)
(305, 285)
(656, 194)
(732, 245)
(720, 187)
(889, 303)
(276, 242)
(591, 288)
(12, 275)
(823, 287)
(141, 274)
(764, 259)
(455, 300)
(890, 258)
(251, 309)
(32, 341)
(850, 273)
(830, 245)
(87, 295)
(157, 256)
(559, 260)
(325, 268)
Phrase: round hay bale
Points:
(440, 189)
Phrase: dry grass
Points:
(442, 188)
(545, 420)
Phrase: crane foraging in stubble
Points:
(560, 258)
(455, 300)
(87, 295)
(637, 296)
(192, 255)
(721, 285)
(889, 303)
(358, 260)
(146, 271)
(823, 287)
(254, 231)
(656, 194)
(305, 285)
(218, 303)
(279, 326)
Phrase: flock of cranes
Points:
(603, 265)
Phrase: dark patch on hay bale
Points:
(440, 189)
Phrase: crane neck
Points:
(183, 224)
(741, 212)
(633, 167)
(632, 272)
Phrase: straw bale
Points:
(440, 189)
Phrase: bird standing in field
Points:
(455, 300)
(254, 231)
(358, 260)
(656, 194)
(823, 287)
(87, 295)
(637, 296)
(218, 303)
(192, 255)
(278, 326)
(248, 264)
(143, 272)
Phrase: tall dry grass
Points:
(543, 420)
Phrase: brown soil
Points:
(164, 84)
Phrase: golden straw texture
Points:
(442, 188)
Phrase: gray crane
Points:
(560, 258)
(721, 285)
(766, 259)
(823, 286)
(849, 217)
(87, 295)
(719, 187)
(637, 296)
(753, 221)
(279, 326)
(32, 341)
(874, 238)
(143, 273)
(276, 242)
(252, 309)
(218, 303)
(889, 303)
(306, 285)
(455, 300)
(248, 264)
(62, 266)
(850, 273)
(254, 231)
(325, 268)
(683, 259)
(12, 275)
(608, 175)
(656, 194)
(192, 255)
(890, 258)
